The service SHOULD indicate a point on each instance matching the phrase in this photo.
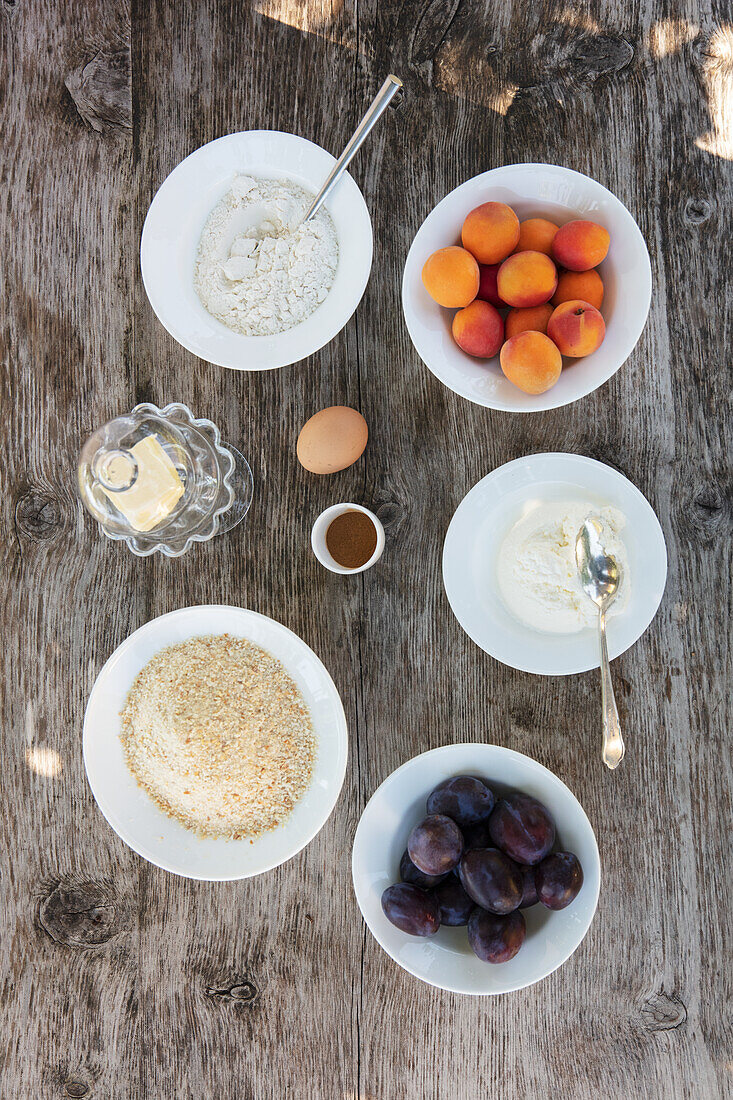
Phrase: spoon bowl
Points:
(600, 574)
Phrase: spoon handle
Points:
(391, 85)
(613, 744)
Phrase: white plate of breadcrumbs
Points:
(215, 742)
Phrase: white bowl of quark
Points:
(532, 190)
(445, 959)
(173, 228)
(134, 815)
(485, 517)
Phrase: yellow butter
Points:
(156, 490)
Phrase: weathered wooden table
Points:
(122, 981)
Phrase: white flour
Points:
(259, 271)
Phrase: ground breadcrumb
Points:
(219, 735)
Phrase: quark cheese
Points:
(537, 574)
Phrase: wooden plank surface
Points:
(121, 981)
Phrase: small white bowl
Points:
(533, 190)
(131, 811)
(318, 537)
(445, 959)
(177, 216)
(484, 518)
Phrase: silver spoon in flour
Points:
(600, 577)
(379, 104)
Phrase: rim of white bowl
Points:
(446, 750)
(300, 341)
(545, 401)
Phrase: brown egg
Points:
(332, 439)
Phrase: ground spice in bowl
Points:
(351, 539)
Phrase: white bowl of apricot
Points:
(527, 287)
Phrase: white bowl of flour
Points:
(228, 269)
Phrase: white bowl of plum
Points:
(476, 869)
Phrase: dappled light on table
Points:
(669, 35)
(718, 75)
(44, 761)
(310, 17)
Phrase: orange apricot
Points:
(531, 361)
(580, 245)
(490, 232)
(479, 329)
(584, 285)
(451, 277)
(577, 328)
(530, 319)
(527, 279)
(536, 235)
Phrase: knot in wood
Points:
(714, 53)
(563, 56)
(710, 514)
(101, 89)
(663, 1012)
(709, 501)
(76, 1089)
(391, 513)
(81, 916)
(247, 991)
(243, 991)
(696, 211)
(599, 55)
(38, 515)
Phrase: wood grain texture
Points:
(121, 981)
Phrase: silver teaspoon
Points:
(600, 577)
(377, 108)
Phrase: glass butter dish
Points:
(159, 479)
